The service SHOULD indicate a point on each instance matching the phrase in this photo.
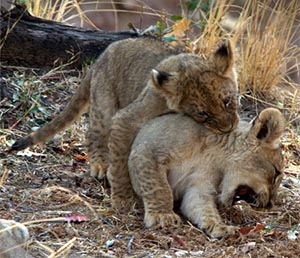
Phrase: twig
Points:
(129, 245)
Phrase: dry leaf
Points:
(179, 241)
(246, 230)
(180, 27)
(273, 233)
(248, 247)
(81, 158)
(258, 227)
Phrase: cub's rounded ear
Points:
(159, 77)
(223, 57)
(268, 127)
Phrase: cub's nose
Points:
(226, 126)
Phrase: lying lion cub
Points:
(174, 158)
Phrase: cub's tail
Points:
(77, 105)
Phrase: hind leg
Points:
(97, 139)
(97, 150)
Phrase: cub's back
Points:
(126, 65)
(172, 131)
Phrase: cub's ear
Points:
(164, 83)
(268, 127)
(223, 58)
(159, 78)
(167, 85)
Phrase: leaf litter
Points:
(48, 188)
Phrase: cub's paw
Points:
(123, 203)
(97, 170)
(221, 230)
(157, 220)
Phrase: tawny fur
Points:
(13, 236)
(174, 158)
(144, 78)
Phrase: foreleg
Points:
(201, 210)
(125, 126)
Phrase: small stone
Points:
(109, 243)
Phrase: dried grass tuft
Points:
(265, 47)
(213, 31)
(67, 10)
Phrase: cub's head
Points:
(254, 172)
(203, 88)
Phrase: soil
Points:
(49, 189)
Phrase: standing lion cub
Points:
(144, 78)
(174, 158)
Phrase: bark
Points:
(33, 42)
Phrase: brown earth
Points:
(53, 181)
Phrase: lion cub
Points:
(174, 158)
(144, 78)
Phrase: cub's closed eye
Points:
(227, 101)
(203, 114)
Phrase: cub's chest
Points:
(183, 173)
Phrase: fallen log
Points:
(34, 42)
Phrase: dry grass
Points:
(263, 35)
(213, 30)
(46, 183)
(265, 46)
(50, 10)
(67, 10)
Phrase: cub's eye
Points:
(203, 115)
(227, 101)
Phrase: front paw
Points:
(156, 219)
(220, 230)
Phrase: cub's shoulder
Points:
(171, 128)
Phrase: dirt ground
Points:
(44, 185)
